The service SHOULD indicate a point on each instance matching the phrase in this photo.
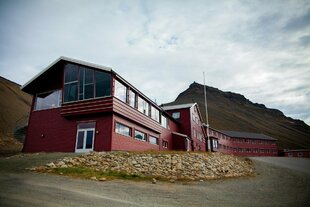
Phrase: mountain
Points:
(232, 111)
(14, 110)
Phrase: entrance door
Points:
(85, 140)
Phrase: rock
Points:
(102, 179)
(51, 165)
(93, 178)
(154, 181)
(172, 181)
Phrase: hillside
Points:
(231, 111)
(14, 110)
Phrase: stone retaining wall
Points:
(176, 166)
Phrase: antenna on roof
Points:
(206, 107)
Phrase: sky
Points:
(260, 49)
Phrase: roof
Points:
(248, 135)
(62, 58)
(180, 106)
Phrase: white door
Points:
(85, 140)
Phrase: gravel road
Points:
(273, 186)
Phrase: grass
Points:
(87, 173)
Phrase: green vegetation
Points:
(87, 173)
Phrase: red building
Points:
(242, 143)
(296, 153)
(79, 107)
(189, 117)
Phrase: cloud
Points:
(257, 48)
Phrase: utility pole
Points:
(206, 107)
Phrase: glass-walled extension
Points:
(82, 83)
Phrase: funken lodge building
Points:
(81, 107)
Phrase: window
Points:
(48, 100)
(85, 83)
(120, 91)
(300, 154)
(122, 129)
(262, 150)
(154, 113)
(268, 151)
(164, 121)
(71, 83)
(153, 140)
(239, 149)
(88, 83)
(143, 106)
(165, 144)
(176, 115)
(103, 84)
(140, 136)
(132, 99)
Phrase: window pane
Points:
(70, 92)
(143, 106)
(81, 84)
(176, 115)
(71, 72)
(89, 91)
(86, 125)
(122, 129)
(155, 114)
(132, 99)
(153, 140)
(80, 141)
(120, 91)
(89, 139)
(48, 100)
(89, 76)
(103, 84)
(140, 136)
(163, 121)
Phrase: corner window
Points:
(140, 135)
(48, 100)
(120, 91)
(176, 115)
(122, 129)
(153, 140)
(103, 84)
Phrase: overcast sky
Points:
(260, 49)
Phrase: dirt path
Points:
(273, 186)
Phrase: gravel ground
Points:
(273, 186)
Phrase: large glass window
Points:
(140, 136)
(88, 83)
(48, 100)
(120, 91)
(155, 113)
(143, 106)
(85, 83)
(132, 98)
(103, 84)
(122, 129)
(71, 83)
